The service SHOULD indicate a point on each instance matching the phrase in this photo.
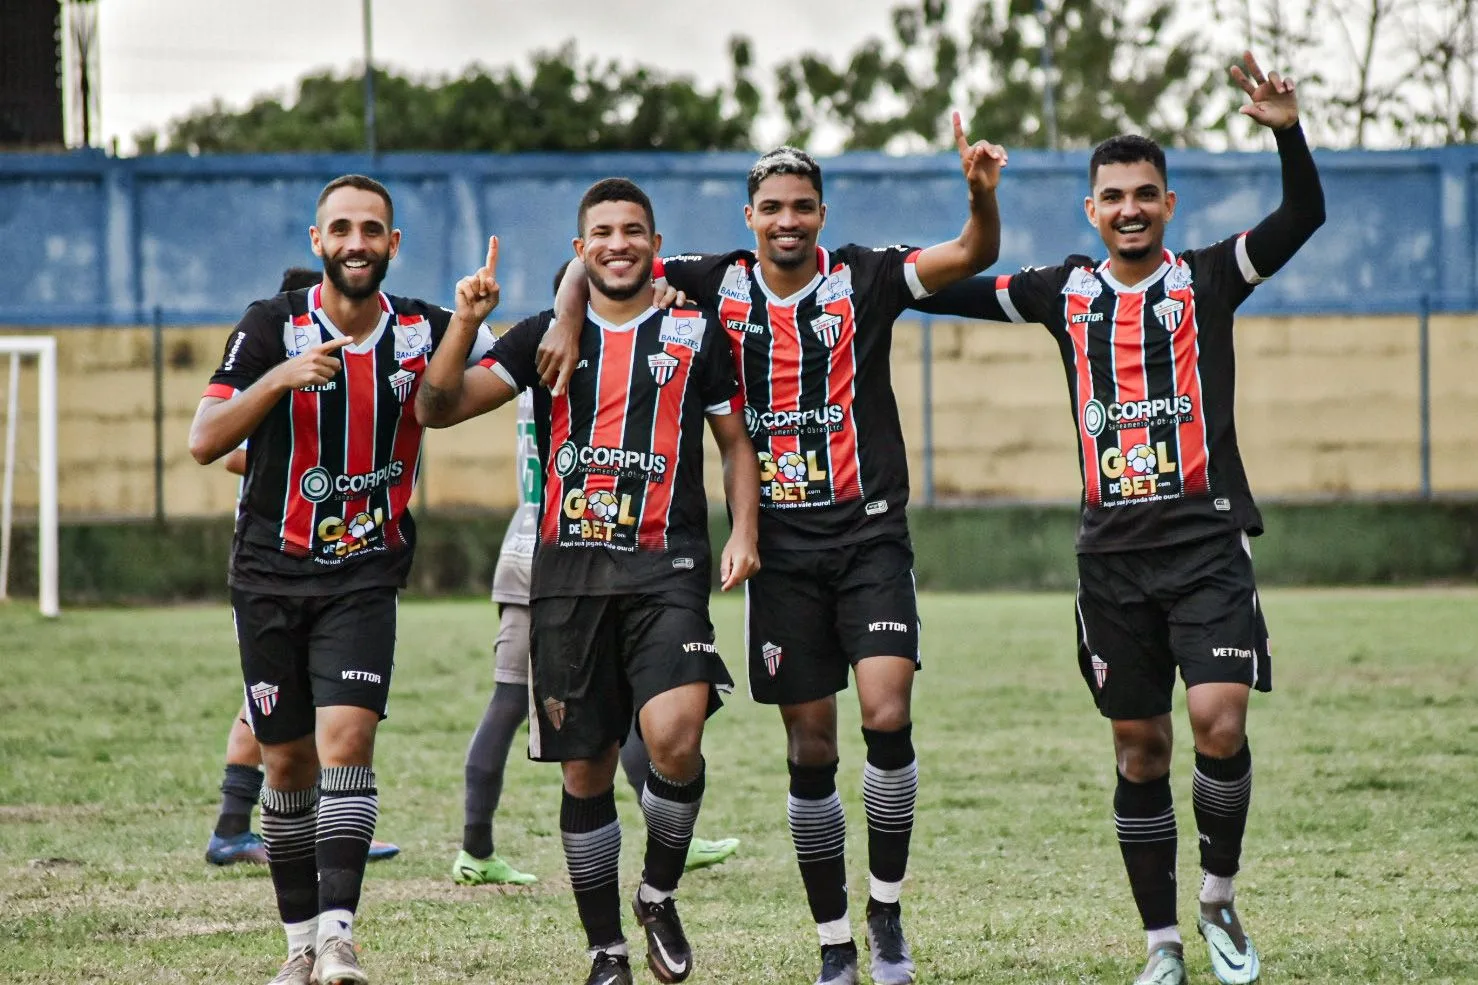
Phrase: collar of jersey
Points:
(612, 326)
(1142, 286)
(800, 295)
(315, 308)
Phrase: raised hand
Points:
(981, 161)
(1273, 103)
(314, 367)
(477, 294)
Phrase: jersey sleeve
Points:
(511, 355)
(1025, 296)
(1225, 271)
(889, 273)
(441, 319)
(698, 275)
(718, 377)
(255, 346)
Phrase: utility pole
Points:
(1049, 82)
(369, 82)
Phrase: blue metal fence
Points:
(87, 239)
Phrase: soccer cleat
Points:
(338, 964)
(609, 969)
(1166, 966)
(668, 953)
(296, 970)
(892, 964)
(381, 850)
(245, 847)
(469, 870)
(1233, 957)
(838, 964)
(703, 853)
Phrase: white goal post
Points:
(43, 348)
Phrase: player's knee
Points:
(1144, 756)
(811, 747)
(678, 754)
(1221, 738)
(890, 715)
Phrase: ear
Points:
(1169, 205)
(1090, 209)
(317, 243)
(657, 244)
(823, 214)
(394, 243)
(579, 245)
(749, 216)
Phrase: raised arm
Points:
(741, 556)
(450, 391)
(1273, 241)
(979, 243)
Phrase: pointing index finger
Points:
(959, 126)
(335, 343)
(492, 264)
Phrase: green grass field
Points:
(1361, 861)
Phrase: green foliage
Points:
(1359, 865)
(562, 103)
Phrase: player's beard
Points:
(334, 268)
(1137, 254)
(622, 292)
(795, 259)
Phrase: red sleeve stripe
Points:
(659, 270)
(222, 390)
(1003, 298)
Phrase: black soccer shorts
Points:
(596, 660)
(812, 615)
(299, 653)
(1142, 614)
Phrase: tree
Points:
(1115, 68)
(560, 104)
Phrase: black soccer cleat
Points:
(892, 963)
(668, 953)
(609, 969)
(838, 964)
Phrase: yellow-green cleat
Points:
(703, 853)
(468, 870)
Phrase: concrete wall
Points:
(1326, 407)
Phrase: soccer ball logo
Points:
(361, 526)
(790, 467)
(1141, 459)
(602, 505)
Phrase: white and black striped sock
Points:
(591, 835)
(818, 827)
(671, 813)
(890, 787)
(289, 818)
(347, 813)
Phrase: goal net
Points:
(37, 492)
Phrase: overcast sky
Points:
(161, 58)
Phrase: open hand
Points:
(477, 294)
(981, 161)
(1273, 103)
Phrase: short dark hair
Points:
(1127, 148)
(362, 182)
(297, 278)
(614, 190)
(785, 160)
(559, 275)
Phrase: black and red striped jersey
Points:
(623, 508)
(1152, 378)
(329, 471)
(817, 389)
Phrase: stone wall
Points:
(1327, 407)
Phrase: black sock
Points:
(591, 834)
(1144, 815)
(1221, 790)
(289, 818)
(347, 813)
(240, 789)
(487, 756)
(671, 812)
(890, 786)
(818, 827)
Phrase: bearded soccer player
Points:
(1164, 563)
(619, 619)
(811, 329)
(322, 382)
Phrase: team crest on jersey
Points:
(299, 334)
(835, 287)
(1168, 311)
(828, 329)
(735, 285)
(1082, 283)
(1178, 278)
(662, 366)
(412, 338)
(683, 328)
(1100, 670)
(264, 696)
(772, 655)
(400, 382)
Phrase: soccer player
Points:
(812, 330)
(487, 754)
(619, 620)
(1164, 566)
(323, 383)
(232, 839)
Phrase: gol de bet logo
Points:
(784, 478)
(343, 537)
(1135, 473)
(598, 515)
